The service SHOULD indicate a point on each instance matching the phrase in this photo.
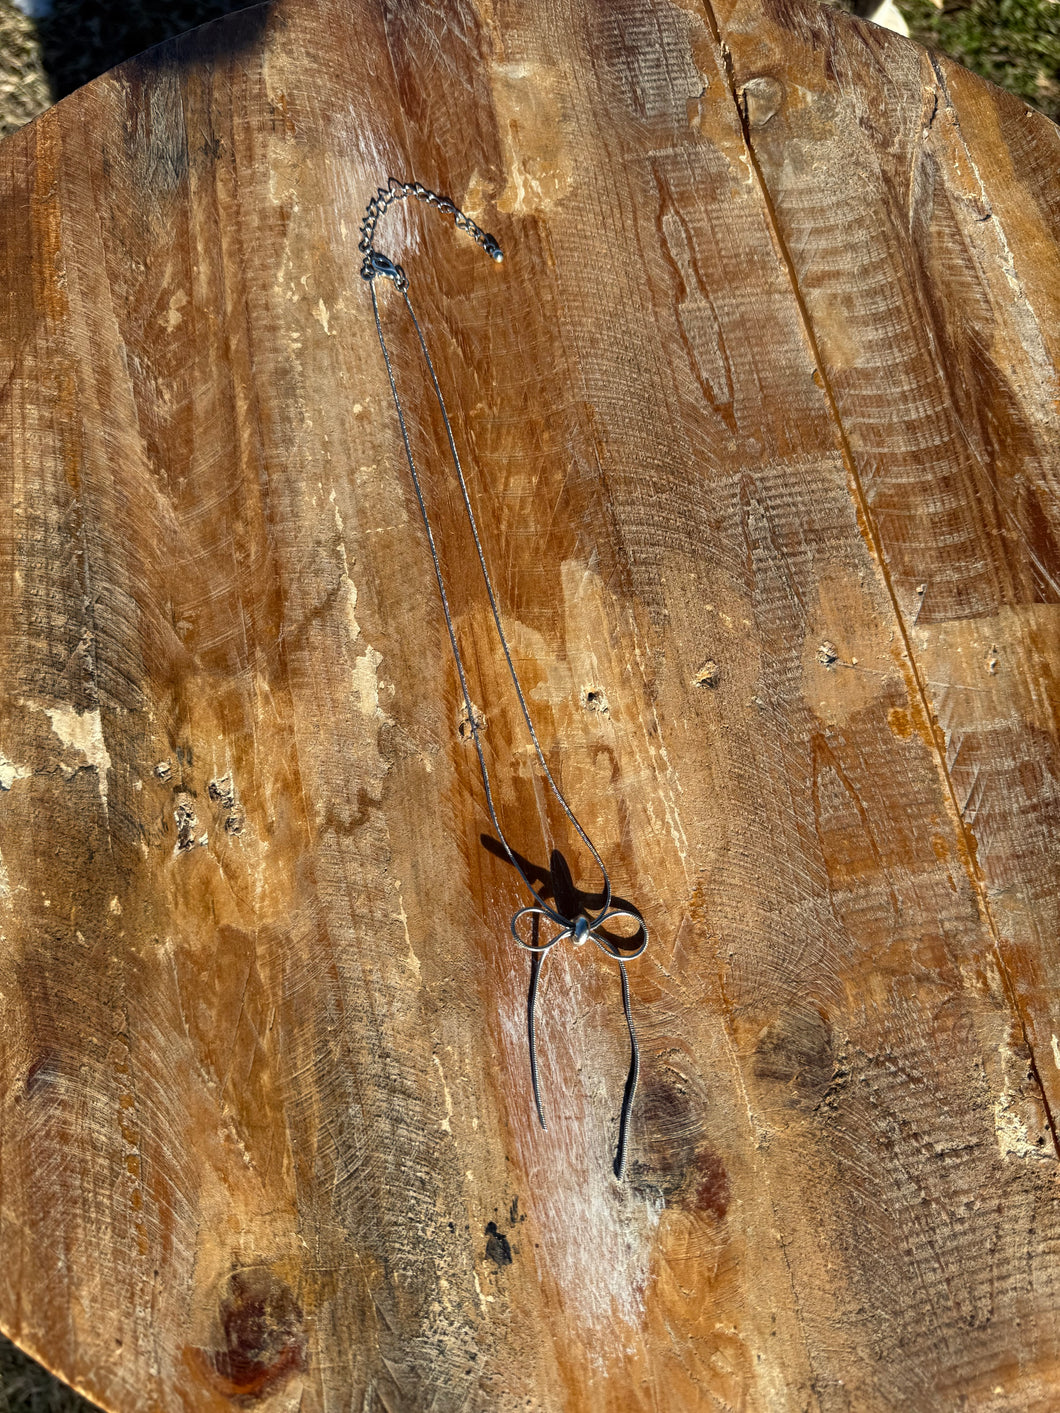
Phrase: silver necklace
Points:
(581, 926)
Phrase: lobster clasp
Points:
(375, 263)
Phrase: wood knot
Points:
(259, 1338)
(794, 1059)
(762, 97)
(675, 1161)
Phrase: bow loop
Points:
(616, 945)
(549, 916)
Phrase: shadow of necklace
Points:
(576, 924)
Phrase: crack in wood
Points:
(870, 532)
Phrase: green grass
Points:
(25, 1387)
(1013, 43)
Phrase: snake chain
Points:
(579, 928)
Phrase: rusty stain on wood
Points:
(760, 417)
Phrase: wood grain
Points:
(767, 381)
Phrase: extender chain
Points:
(581, 927)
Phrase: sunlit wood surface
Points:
(760, 420)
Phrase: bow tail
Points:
(537, 961)
(631, 1079)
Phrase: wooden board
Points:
(767, 381)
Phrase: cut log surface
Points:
(759, 417)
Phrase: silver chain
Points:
(375, 263)
(579, 928)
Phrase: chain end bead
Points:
(492, 249)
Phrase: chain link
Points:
(376, 263)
